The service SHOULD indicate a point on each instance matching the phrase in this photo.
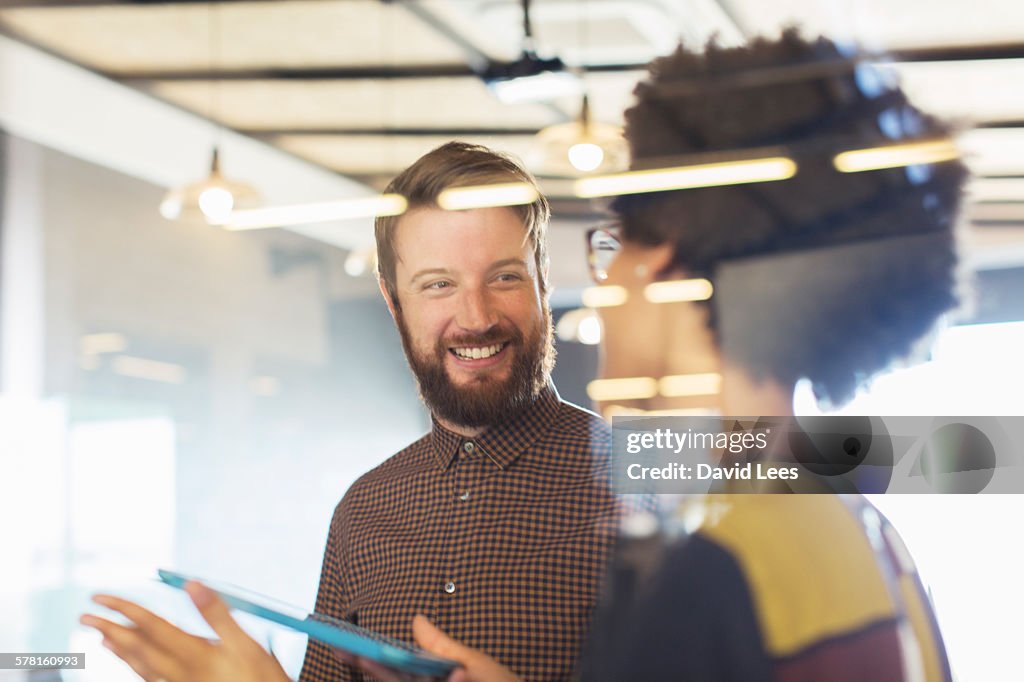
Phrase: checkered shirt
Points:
(500, 540)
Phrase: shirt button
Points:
(469, 446)
(449, 587)
(464, 496)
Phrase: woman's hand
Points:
(161, 652)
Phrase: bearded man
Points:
(497, 524)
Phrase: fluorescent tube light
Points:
(541, 87)
(679, 385)
(687, 177)
(623, 411)
(895, 156)
(632, 388)
(485, 196)
(104, 342)
(143, 368)
(604, 296)
(678, 290)
(325, 211)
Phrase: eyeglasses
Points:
(603, 243)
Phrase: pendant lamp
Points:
(210, 200)
(582, 146)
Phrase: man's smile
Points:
(479, 357)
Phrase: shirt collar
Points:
(505, 441)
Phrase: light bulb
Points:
(585, 156)
(170, 207)
(589, 331)
(360, 262)
(581, 325)
(216, 204)
(355, 266)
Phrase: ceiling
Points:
(364, 87)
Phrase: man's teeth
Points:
(478, 353)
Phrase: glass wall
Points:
(178, 395)
(174, 396)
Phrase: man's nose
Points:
(476, 311)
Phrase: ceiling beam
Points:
(416, 71)
(474, 54)
(477, 60)
(72, 4)
(556, 188)
(329, 73)
(960, 53)
(389, 132)
(474, 132)
(1000, 125)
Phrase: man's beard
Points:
(484, 400)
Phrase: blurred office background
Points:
(178, 394)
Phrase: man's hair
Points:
(459, 164)
(812, 100)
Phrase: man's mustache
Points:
(491, 336)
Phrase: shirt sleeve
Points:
(320, 663)
(692, 619)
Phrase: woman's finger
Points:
(160, 632)
(218, 615)
(134, 648)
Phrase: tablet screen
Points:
(331, 631)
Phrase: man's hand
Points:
(474, 665)
(160, 652)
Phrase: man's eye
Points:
(509, 277)
(440, 284)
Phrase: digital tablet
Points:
(331, 631)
